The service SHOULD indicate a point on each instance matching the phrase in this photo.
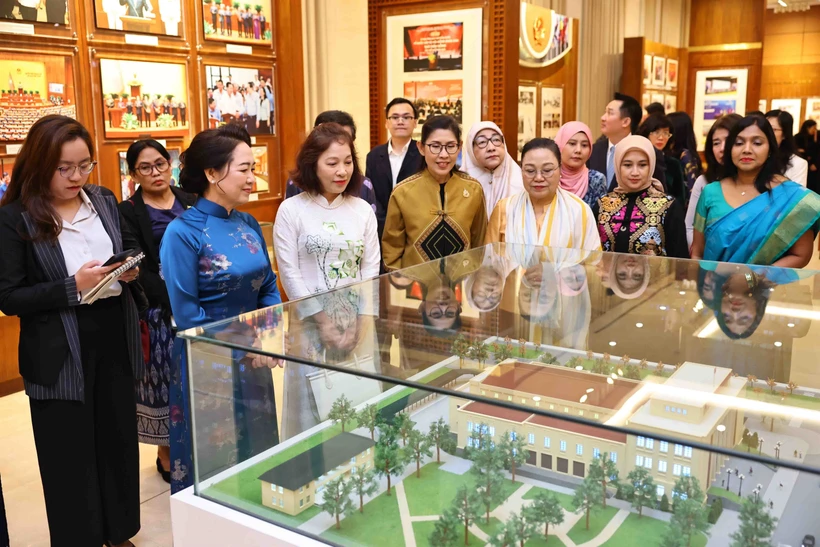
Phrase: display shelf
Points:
(562, 396)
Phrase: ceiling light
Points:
(613, 343)
(639, 325)
(662, 308)
(790, 325)
(721, 428)
(682, 293)
(778, 344)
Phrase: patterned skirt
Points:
(153, 391)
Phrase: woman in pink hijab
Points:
(575, 141)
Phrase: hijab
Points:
(573, 180)
(636, 142)
(505, 181)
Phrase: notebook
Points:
(94, 294)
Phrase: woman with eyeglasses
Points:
(658, 129)
(488, 161)
(638, 217)
(78, 361)
(147, 213)
(439, 211)
(544, 214)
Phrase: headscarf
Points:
(505, 181)
(636, 142)
(577, 180)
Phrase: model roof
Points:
(566, 384)
(499, 412)
(312, 464)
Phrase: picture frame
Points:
(658, 71)
(552, 104)
(50, 12)
(125, 84)
(717, 92)
(672, 73)
(249, 84)
(655, 97)
(792, 106)
(813, 109)
(227, 21)
(436, 85)
(645, 101)
(647, 69)
(37, 84)
(670, 103)
(154, 17)
(527, 106)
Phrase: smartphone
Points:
(120, 257)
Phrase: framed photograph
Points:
(718, 92)
(161, 17)
(792, 106)
(672, 73)
(647, 69)
(658, 71)
(53, 12)
(645, 100)
(761, 105)
(813, 109)
(127, 184)
(35, 85)
(240, 95)
(552, 104)
(143, 98)
(434, 47)
(526, 115)
(670, 103)
(260, 156)
(656, 98)
(237, 22)
(427, 62)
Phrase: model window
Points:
(641, 441)
(307, 499)
(281, 491)
(662, 466)
(684, 412)
(301, 489)
(546, 442)
(579, 450)
(531, 438)
(513, 435)
(648, 463)
(492, 431)
(687, 471)
(563, 446)
(687, 451)
(678, 450)
(496, 395)
(273, 488)
(639, 461)
(613, 457)
(353, 460)
(650, 443)
(596, 452)
(509, 397)
(281, 502)
(470, 427)
(664, 446)
(659, 491)
(580, 413)
(368, 451)
(676, 469)
(301, 503)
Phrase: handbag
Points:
(328, 385)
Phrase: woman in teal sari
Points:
(754, 215)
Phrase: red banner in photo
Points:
(433, 47)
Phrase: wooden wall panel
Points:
(726, 22)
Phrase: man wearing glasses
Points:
(390, 163)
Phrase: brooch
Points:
(466, 194)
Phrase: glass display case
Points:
(521, 396)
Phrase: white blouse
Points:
(797, 170)
(322, 246)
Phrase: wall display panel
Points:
(526, 115)
(813, 109)
(545, 36)
(655, 97)
(434, 59)
(238, 22)
(162, 17)
(718, 92)
(33, 86)
(792, 106)
(241, 95)
(645, 100)
(261, 169)
(128, 186)
(658, 71)
(670, 103)
(761, 105)
(53, 12)
(144, 98)
(647, 69)
(552, 104)
(672, 73)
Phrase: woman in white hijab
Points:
(488, 161)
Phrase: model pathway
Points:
(404, 511)
(513, 504)
(608, 531)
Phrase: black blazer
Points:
(597, 161)
(377, 169)
(137, 225)
(35, 286)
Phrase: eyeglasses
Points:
(85, 168)
(437, 147)
(662, 134)
(532, 173)
(146, 169)
(482, 142)
(406, 118)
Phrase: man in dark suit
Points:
(621, 119)
(390, 163)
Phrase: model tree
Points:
(632, 372)
(513, 451)
(641, 489)
(756, 524)
(587, 498)
(461, 348)
(690, 517)
(467, 506)
(440, 438)
(522, 347)
(501, 352)
(369, 418)
(389, 458)
(487, 465)
(404, 425)
(364, 483)
(478, 351)
(418, 447)
(341, 411)
(544, 510)
(791, 386)
(336, 499)
(447, 529)
(772, 383)
(603, 472)
(516, 530)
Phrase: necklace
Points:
(336, 202)
(167, 204)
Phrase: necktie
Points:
(610, 167)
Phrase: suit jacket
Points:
(377, 169)
(34, 285)
(137, 225)
(597, 161)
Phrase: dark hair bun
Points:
(211, 149)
